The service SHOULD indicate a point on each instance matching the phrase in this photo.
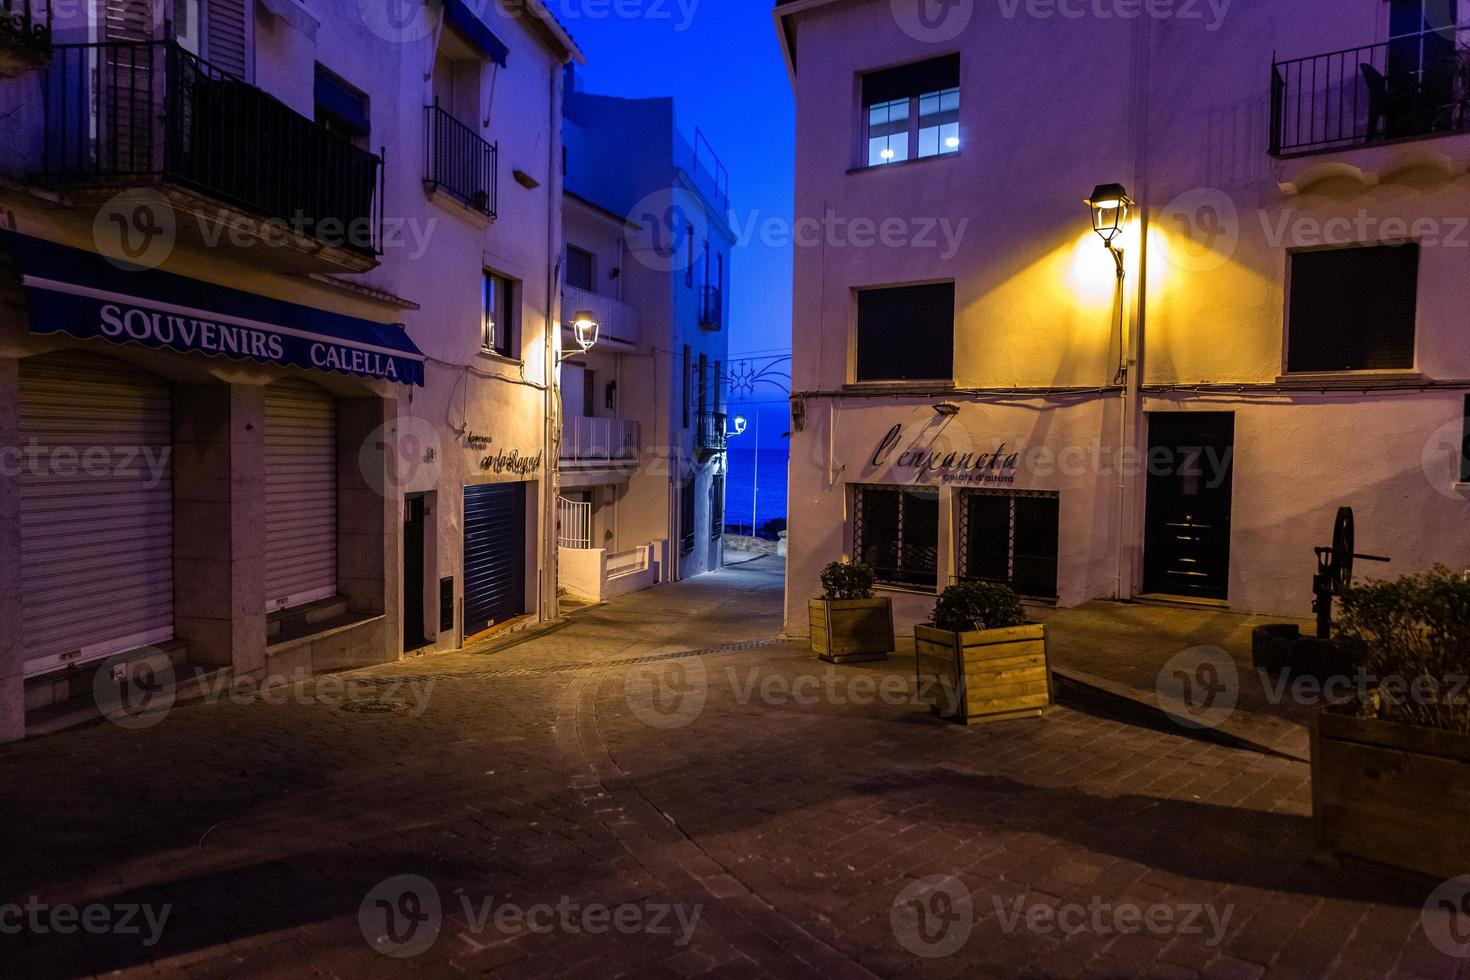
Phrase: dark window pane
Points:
(907, 81)
(1465, 446)
(1012, 538)
(897, 532)
(579, 269)
(1038, 522)
(906, 333)
(1353, 309)
(988, 542)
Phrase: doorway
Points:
(414, 633)
(1190, 492)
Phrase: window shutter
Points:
(96, 551)
(444, 83)
(227, 37)
(300, 495)
(128, 20)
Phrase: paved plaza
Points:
(660, 788)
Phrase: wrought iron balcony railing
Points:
(25, 30)
(133, 109)
(711, 308)
(1410, 87)
(459, 162)
(712, 432)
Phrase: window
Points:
(703, 384)
(589, 392)
(340, 108)
(896, 530)
(1353, 309)
(1421, 37)
(498, 327)
(717, 507)
(912, 111)
(906, 333)
(1465, 446)
(1012, 538)
(686, 516)
(689, 269)
(688, 368)
(579, 269)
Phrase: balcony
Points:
(25, 35)
(619, 321)
(459, 163)
(711, 433)
(227, 156)
(711, 308)
(1411, 87)
(588, 443)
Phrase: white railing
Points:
(628, 562)
(618, 320)
(574, 523)
(585, 439)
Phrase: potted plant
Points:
(1391, 767)
(848, 624)
(980, 660)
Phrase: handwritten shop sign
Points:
(997, 467)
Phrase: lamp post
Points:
(1111, 208)
(740, 426)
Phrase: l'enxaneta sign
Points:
(998, 467)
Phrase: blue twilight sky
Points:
(722, 64)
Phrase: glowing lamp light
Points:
(887, 154)
(953, 142)
(1110, 204)
(585, 328)
(740, 423)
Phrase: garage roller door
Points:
(494, 554)
(300, 495)
(96, 509)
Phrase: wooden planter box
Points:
(848, 631)
(1390, 793)
(989, 675)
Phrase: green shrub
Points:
(848, 580)
(1417, 629)
(972, 606)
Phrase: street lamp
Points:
(585, 328)
(1110, 205)
(740, 424)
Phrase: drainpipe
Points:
(1131, 482)
(550, 607)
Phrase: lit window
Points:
(912, 111)
(888, 132)
(497, 323)
(939, 123)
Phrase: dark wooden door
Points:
(1190, 489)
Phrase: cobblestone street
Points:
(660, 788)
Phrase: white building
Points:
(975, 395)
(276, 345)
(648, 252)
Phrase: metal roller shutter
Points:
(300, 495)
(96, 510)
(494, 554)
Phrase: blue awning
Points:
(84, 295)
(461, 14)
